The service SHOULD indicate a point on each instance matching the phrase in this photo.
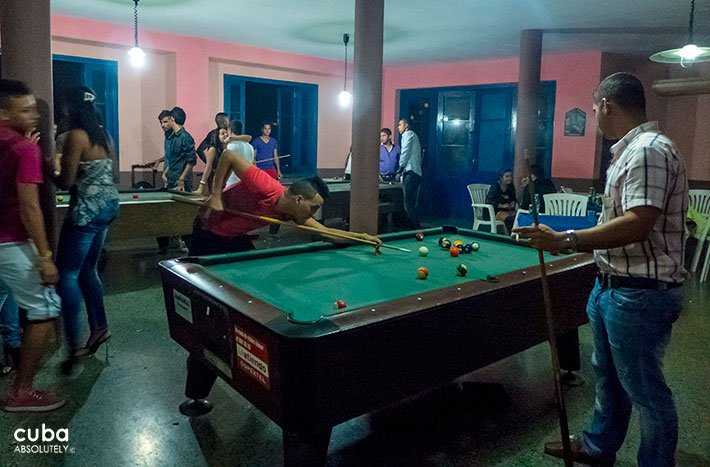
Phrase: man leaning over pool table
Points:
(218, 229)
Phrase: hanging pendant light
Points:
(136, 53)
(688, 54)
(345, 98)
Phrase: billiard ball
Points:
(475, 246)
(135, 196)
(461, 270)
(445, 244)
(60, 198)
(423, 251)
(442, 240)
(458, 242)
(339, 305)
(419, 236)
(467, 248)
(422, 273)
(454, 251)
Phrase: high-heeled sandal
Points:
(92, 346)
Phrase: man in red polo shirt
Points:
(218, 230)
(26, 264)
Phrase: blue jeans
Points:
(9, 318)
(411, 182)
(77, 261)
(631, 329)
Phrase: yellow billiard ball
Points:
(60, 198)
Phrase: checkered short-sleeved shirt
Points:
(647, 170)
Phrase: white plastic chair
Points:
(478, 192)
(700, 201)
(706, 265)
(565, 204)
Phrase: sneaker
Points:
(32, 400)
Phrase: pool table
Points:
(265, 322)
(391, 201)
(152, 213)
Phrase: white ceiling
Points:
(417, 30)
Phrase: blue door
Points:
(473, 137)
(99, 75)
(290, 107)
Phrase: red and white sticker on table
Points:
(252, 357)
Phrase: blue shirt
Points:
(264, 151)
(179, 152)
(389, 161)
(411, 158)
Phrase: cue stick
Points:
(318, 231)
(303, 227)
(267, 160)
(551, 331)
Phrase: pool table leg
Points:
(568, 346)
(200, 379)
(306, 449)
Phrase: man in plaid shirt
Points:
(639, 248)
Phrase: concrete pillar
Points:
(526, 133)
(27, 56)
(367, 109)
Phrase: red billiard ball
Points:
(135, 196)
(419, 236)
(422, 273)
(339, 305)
(454, 251)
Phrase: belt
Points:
(608, 281)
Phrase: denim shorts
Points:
(18, 271)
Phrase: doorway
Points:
(99, 75)
(290, 107)
(467, 135)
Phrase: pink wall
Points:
(186, 65)
(576, 75)
(188, 71)
(192, 69)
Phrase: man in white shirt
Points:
(639, 247)
(410, 169)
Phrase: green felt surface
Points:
(307, 284)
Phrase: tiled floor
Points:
(124, 411)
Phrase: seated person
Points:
(542, 185)
(220, 229)
(502, 196)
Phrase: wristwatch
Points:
(571, 240)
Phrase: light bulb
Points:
(345, 98)
(137, 56)
(690, 52)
